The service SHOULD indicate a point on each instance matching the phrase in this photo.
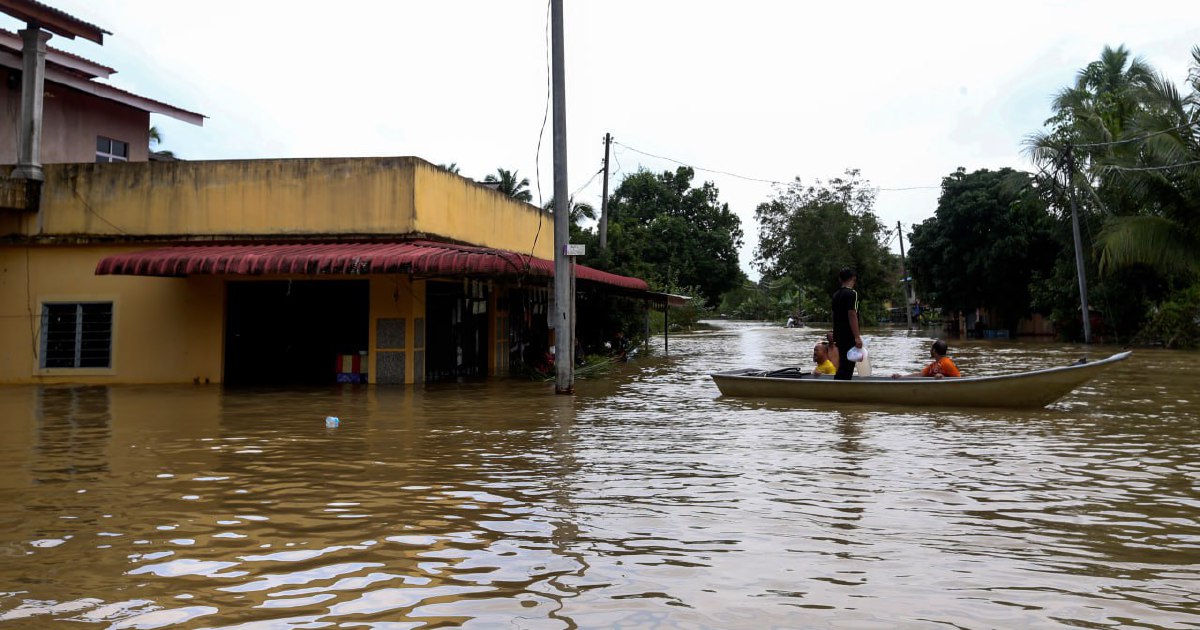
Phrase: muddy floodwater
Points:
(645, 501)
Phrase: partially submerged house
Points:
(383, 270)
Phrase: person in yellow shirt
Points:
(821, 358)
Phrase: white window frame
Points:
(110, 155)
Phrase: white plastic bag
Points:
(864, 365)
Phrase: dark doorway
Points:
(456, 330)
(292, 332)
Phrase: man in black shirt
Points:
(845, 322)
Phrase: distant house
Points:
(119, 269)
(84, 120)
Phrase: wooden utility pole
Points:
(604, 197)
(564, 297)
(905, 279)
(1083, 297)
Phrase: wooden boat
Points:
(1022, 390)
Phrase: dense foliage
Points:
(1123, 147)
(679, 238)
(989, 236)
(808, 233)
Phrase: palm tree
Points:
(508, 184)
(155, 136)
(1126, 139)
(579, 210)
(1162, 169)
(452, 167)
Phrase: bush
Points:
(1176, 322)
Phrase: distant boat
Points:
(1022, 390)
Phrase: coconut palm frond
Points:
(1148, 240)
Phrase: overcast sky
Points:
(906, 92)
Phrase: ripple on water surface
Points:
(646, 500)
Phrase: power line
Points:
(757, 179)
(537, 155)
(1138, 138)
(585, 184)
(1165, 167)
(700, 168)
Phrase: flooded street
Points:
(645, 501)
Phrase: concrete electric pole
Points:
(604, 197)
(904, 278)
(564, 298)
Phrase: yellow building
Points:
(118, 270)
(273, 271)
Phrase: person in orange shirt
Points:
(940, 367)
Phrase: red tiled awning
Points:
(312, 259)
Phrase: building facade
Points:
(385, 270)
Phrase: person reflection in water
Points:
(940, 367)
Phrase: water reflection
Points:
(72, 433)
(645, 501)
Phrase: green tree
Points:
(1124, 141)
(809, 233)
(508, 184)
(988, 238)
(674, 235)
(156, 139)
(579, 210)
(1161, 172)
(452, 167)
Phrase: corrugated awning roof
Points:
(311, 259)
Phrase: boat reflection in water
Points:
(646, 500)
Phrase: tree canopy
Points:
(676, 236)
(989, 236)
(1124, 143)
(508, 184)
(809, 233)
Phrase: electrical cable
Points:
(759, 179)
(1165, 167)
(537, 155)
(1138, 138)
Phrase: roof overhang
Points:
(108, 92)
(669, 299)
(61, 58)
(424, 258)
(50, 19)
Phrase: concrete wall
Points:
(165, 330)
(169, 330)
(72, 120)
(379, 197)
(172, 329)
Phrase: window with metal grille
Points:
(77, 335)
(109, 150)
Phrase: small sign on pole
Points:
(572, 249)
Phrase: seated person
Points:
(821, 358)
(832, 350)
(940, 367)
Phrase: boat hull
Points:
(1024, 390)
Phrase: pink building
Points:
(83, 119)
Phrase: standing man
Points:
(845, 322)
